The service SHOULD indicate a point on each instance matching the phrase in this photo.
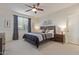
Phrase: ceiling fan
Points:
(34, 8)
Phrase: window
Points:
(22, 23)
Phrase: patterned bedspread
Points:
(42, 36)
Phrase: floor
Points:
(21, 47)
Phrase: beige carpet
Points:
(21, 47)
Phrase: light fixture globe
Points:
(34, 9)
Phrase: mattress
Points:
(42, 36)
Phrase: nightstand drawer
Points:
(59, 38)
(2, 43)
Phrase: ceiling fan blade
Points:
(40, 9)
(28, 10)
(33, 5)
(38, 4)
(28, 6)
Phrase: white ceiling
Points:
(48, 8)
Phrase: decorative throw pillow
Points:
(51, 31)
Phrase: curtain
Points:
(29, 24)
(15, 28)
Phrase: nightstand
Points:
(60, 38)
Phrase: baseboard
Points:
(7, 41)
(74, 43)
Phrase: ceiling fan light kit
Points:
(34, 8)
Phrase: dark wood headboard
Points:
(49, 28)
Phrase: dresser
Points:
(60, 38)
(2, 43)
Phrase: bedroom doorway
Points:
(22, 26)
(74, 28)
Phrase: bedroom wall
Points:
(35, 24)
(61, 18)
(7, 15)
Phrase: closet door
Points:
(73, 29)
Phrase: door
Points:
(73, 29)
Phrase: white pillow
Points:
(47, 31)
(51, 31)
(39, 31)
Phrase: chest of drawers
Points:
(2, 43)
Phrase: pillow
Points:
(43, 31)
(47, 31)
(39, 31)
(51, 31)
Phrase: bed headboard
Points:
(48, 28)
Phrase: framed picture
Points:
(6, 23)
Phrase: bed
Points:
(36, 38)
